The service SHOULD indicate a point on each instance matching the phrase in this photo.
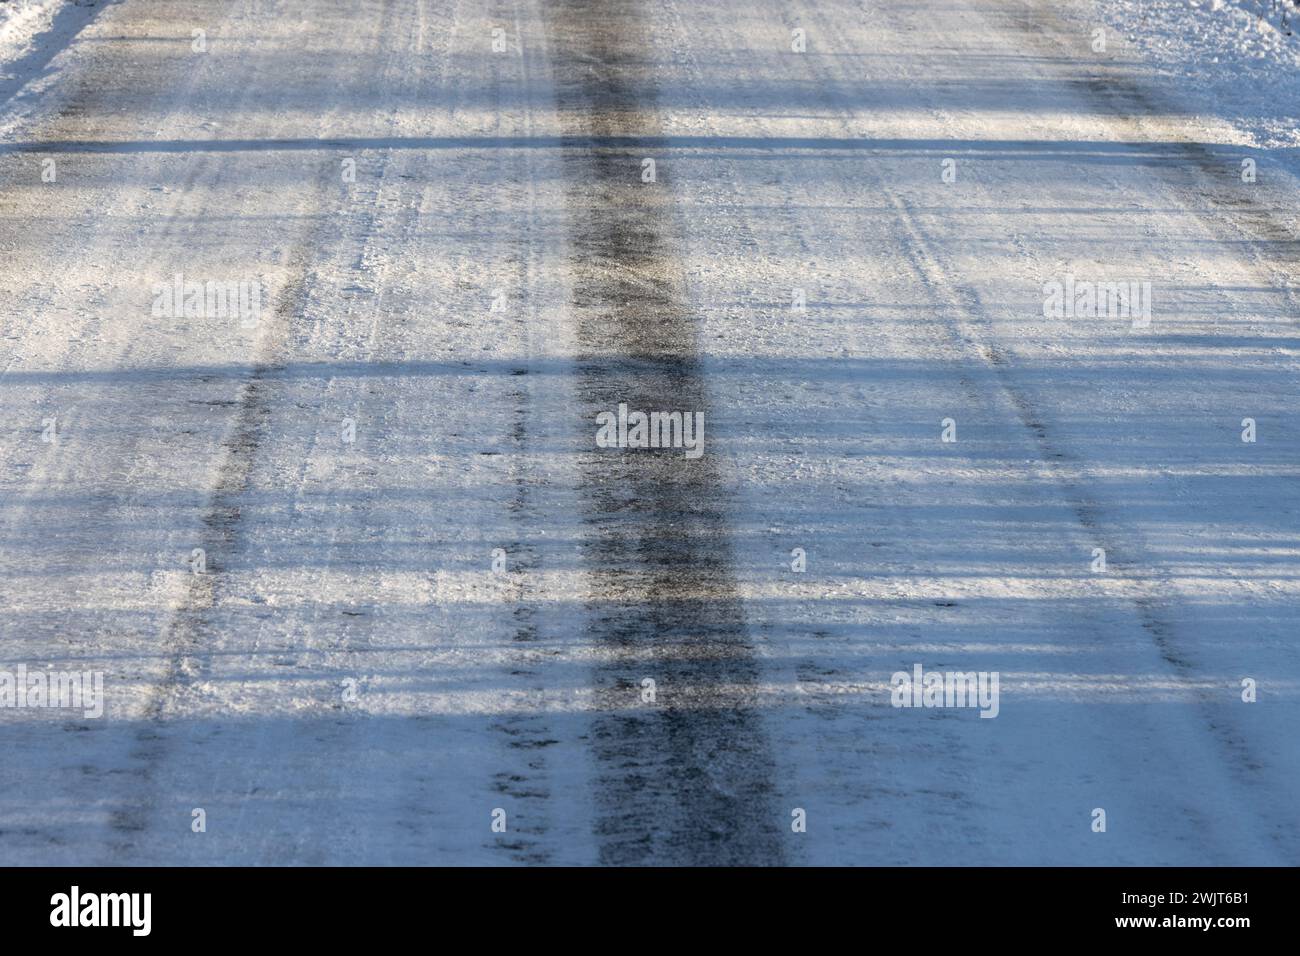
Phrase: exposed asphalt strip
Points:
(687, 778)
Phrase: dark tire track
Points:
(685, 779)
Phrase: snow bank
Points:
(21, 21)
(1229, 56)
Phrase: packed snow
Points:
(363, 586)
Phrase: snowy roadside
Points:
(1228, 58)
(21, 21)
(32, 34)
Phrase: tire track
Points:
(685, 779)
(191, 630)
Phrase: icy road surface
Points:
(363, 587)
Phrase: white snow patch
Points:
(1231, 57)
(21, 21)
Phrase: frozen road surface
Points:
(336, 526)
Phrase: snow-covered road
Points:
(364, 588)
